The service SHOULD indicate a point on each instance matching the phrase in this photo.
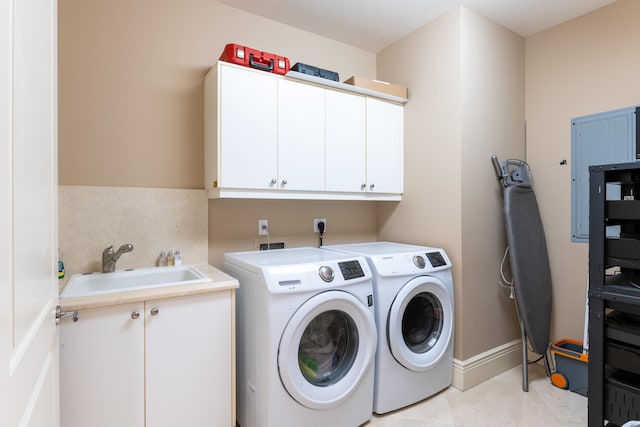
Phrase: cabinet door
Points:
(248, 128)
(189, 368)
(385, 123)
(345, 142)
(102, 368)
(300, 136)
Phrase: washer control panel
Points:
(326, 273)
(301, 269)
(351, 269)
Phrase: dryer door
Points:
(420, 323)
(326, 349)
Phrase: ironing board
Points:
(529, 264)
(528, 258)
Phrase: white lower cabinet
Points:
(102, 367)
(156, 363)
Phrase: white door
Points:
(28, 213)
(189, 369)
(385, 127)
(248, 128)
(420, 323)
(300, 136)
(326, 349)
(102, 367)
(345, 142)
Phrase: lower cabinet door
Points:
(102, 367)
(188, 361)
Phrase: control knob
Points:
(326, 273)
(418, 260)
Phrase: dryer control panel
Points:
(436, 259)
(425, 262)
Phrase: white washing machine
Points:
(414, 310)
(305, 336)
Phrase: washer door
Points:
(420, 323)
(326, 349)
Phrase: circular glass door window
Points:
(422, 322)
(328, 348)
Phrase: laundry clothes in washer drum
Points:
(327, 348)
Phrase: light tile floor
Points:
(499, 401)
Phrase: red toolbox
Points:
(253, 58)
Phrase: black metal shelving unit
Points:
(614, 294)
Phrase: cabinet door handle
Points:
(372, 186)
(284, 182)
(154, 311)
(363, 186)
(273, 181)
(135, 315)
(60, 314)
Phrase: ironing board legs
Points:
(525, 358)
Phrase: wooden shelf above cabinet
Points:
(345, 87)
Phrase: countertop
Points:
(220, 281)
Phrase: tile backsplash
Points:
(151, 219)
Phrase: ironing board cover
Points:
(529, 263)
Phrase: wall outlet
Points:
(263, 227)
(318, 221)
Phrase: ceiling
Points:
(375, 24)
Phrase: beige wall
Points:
(131, 108)
(584, 66)
(131, 84)
(233, 224)
(466, 80)
(151, 219)
(492, 81)
(430, 212)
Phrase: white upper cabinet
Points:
(245, 124)
(346, 142)
(385, 132)
(269, 136)
(301, 136)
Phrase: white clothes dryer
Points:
(305, 336)
(414, 311)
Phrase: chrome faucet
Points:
(109, 257)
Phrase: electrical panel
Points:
(597, 139)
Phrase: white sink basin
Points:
(82, 285)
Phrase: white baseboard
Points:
(477, 369)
